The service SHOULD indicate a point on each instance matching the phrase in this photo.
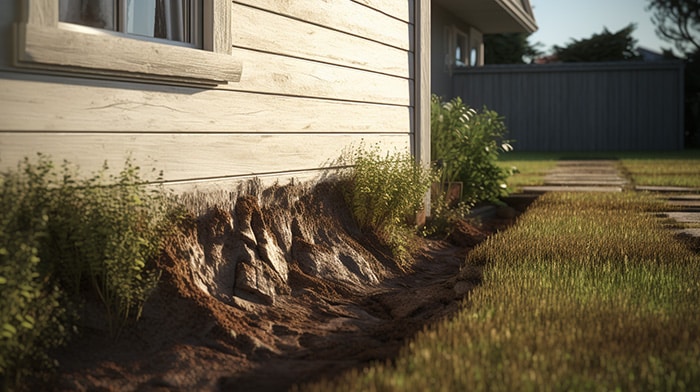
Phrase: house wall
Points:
(441, 72)
(582, 107)
(318, 77)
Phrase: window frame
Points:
(42, 44)
(464, 53)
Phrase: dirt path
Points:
(197, 334)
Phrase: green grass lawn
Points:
(585, 292)
(675, 168)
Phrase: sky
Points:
(561, 20)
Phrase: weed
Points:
(31, 316)
(64, 239)
(385, 192)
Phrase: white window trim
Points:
(41, 43)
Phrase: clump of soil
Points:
(278, 288)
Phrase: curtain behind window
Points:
(167, 19)
(94, 13)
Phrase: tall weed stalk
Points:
(65, 238)
(386, 191)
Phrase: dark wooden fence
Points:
(627, 106)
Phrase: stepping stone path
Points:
(583, 176)
(605, 176)
(686, 208)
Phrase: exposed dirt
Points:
(280, 289)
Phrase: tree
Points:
(677, 21)
(512, 48)
(606, 46)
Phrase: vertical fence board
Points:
(582, 107)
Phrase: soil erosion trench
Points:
(276, 288)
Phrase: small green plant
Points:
(385, 192)
(465, 145)
(64, 239)
(103, 232)
(31, 316)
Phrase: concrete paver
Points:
(582, 176)
(605, 176)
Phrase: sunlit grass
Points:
(679, 169)
(675, 168)
(585, 292)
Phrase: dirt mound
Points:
(279, 287)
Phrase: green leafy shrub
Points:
(465, 145)
(385, 193)
(103, 231)
(31, 316)
(65, 239)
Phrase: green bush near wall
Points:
(64, 239)
(465, 144)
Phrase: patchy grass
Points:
(585, 292)
(528, 168)
(667, 169)
(674, 168)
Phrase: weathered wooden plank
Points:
(399, 9)
(344, 16)
(217, 26)
(58, 49)
(422, 82)
(193, 157)
(270, 73)
(45, 103)
(256, 29)
(42, 12)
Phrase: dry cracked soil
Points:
(276, 288)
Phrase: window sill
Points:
(51, 48)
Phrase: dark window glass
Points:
(167, 19)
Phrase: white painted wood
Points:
(67, 104)
(399, 9)
(422, 89)
(59, 49)
(422, 82)
(217, 26)
(193, 157)
(40, 12)
(43, 43)
(268, 32)
(345, 16)
(275, 74)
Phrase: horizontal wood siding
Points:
(318, 78)
(582, 107)
(192, 157)
(65, 104)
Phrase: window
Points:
(461, 50)
(174, 20)
(473, 57)
(184, 42)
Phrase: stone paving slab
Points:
(684, 216)
(689, 232)
(587, 162)
(564, 188)
(605, 176)
(586, 182)
(582, 176)
(666, 189)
